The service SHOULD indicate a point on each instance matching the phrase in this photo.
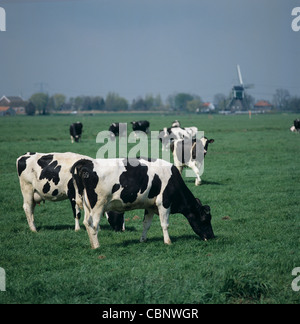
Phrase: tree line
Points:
(43, 104)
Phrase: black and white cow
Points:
(76, 131)
(127, 184)
(48, 177)
(142, 125)
(168, 135)
(190, 153)
(296, 127)
(115, 128)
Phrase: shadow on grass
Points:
(71, 227)
(174, 239)
(204, 182)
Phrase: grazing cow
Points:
(76, 131)
(296, 127)
(127, 184)
(190, 153)
(48, 177)
(142, 125)
(115, 129)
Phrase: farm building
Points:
(7, 111)
(262, 106)
(12, 105)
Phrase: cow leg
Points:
(75, 208)
(72, 139)
(77, 217)
(196, 169)
(164, 222)
(28, 206)
(91, 222)
(148, 217)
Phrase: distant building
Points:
(262, 106)
(8, 104)
(206, 108)
(7, 111)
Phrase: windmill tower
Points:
(238, 99)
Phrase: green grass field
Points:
(251, 181)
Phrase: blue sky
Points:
(139, 47)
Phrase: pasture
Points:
(251, 181)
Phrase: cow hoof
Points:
(168, 242)
(142, 240)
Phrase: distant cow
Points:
(176, 123)
(142, 125)
(127, 184)
(296, 127)
(116, 130)
(190, 153)
(76, 131)
(48, 177)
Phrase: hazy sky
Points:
(138, 47)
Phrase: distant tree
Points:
(181, 100)
(86, 103)
(40, 101)
(30, 109)
(78, 102)
(97, 103)
(114, 102)
(139, 104)
(171, 101)
(220, 101)
(158, 103)
(50, 104)
(149, 103)
(194, 105)
(281, 99)
(250, 100)
(58, 101)
(294, 104)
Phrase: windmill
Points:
(238, 99)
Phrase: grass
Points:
(251, 181)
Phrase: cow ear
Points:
(207, 209)
(211, 140)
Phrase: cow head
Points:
(116, 220)
(205, 141)
(200, 221)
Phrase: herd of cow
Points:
(114, 186)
